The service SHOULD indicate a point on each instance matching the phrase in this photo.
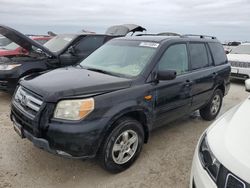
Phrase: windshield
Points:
(59, 42)
(11, 46)
(4, 41)
(119, 57)
(242, 49)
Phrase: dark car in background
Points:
(106, 106)
(62, 50)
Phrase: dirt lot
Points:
(165, 161)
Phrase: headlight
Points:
(74, 109)
(208, 160)
(8, 67)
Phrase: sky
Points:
(227, 19)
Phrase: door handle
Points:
(188, 83)
(215, 74)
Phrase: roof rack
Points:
(200, 36)
(159, 34)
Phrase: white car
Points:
(222, 157)
(239, 58)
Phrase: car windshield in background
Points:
(59, 42)
(4, 41)
(11, 46)
(242, 49)
(121, 58)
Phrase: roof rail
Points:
(200, 36)
(159, 34)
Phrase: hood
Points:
(22, 40)
(229, 140)
(239, 57)
(122, 30)
(72, 82)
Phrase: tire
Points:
(115, 154)
(212, 109)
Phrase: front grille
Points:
(240, 76)
(30, 102)
(22, 120)
(226, 179)
(234, 182)
(240, 64)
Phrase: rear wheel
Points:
(123, 145)
(212, 109)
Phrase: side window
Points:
(175, 58)
(218, 53)
(198, 53)
(89, 44)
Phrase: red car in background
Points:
(14, 49)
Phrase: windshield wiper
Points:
(102, 71)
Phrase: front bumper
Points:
(71, 140)
(199, 176)
(240, 73)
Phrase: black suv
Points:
(107, 105)
(62, 50)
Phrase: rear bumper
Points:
(199, 176)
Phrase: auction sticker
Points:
(149, 44)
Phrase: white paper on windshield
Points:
(67, 39)
(149, 44)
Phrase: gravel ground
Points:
(164, 162)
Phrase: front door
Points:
(173, 97)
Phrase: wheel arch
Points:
(142, 115)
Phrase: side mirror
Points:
(166, 75)
(66, 59)
(247, 85)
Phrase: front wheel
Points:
(212, 109)
(123, 145)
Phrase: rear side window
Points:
(89, 44)
(198, 53)
(218, 53)
(175, 58)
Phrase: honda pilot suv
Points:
(106, 106)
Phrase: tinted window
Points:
(198, 53)
(175, 58)
(89, 43)
(218, 53)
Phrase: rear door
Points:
(203, 73)
(172, 97)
